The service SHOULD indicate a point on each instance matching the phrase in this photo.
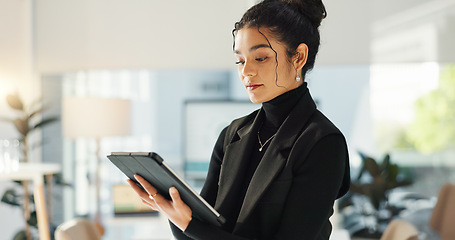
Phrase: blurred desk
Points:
(340, 234)
(35, 172)
(157, 228)
(137, 228)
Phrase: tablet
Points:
(153, 168)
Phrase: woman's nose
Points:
(248, 69)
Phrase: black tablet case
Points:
(153, 168)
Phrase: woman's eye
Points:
(261, 59)
(239, 62)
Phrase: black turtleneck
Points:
(276, 111)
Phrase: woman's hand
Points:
(175, 210)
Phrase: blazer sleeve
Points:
(317, 181)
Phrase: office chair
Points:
(77, 229)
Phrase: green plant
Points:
(383, 178)
(29, 120)
(366, 209)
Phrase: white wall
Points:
(15, 41)
(15, 55)
(345, 33)
(85, 34)
(153, 34)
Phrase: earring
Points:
(298, 76)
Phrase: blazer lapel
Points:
(276, 155)
(235, 162)
(269, 167)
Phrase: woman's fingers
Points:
(181, 214)
(151, 204)
(146, 185)
(175, 196)
(145, 197)
(136, 188)
(175, 209)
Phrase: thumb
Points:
(175, 195)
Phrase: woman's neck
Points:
(277, 109)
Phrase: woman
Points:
(275, 173)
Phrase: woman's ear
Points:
(301, 56)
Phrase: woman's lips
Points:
(251, 87)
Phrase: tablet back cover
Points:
(152, 167)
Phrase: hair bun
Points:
(314, 10)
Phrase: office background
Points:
(168, 57)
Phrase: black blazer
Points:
(291, 194)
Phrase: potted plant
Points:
(366, 208)
(27, 122)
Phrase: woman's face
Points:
(263, 77)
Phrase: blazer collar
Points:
(274, 159)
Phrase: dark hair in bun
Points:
(291, 22)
